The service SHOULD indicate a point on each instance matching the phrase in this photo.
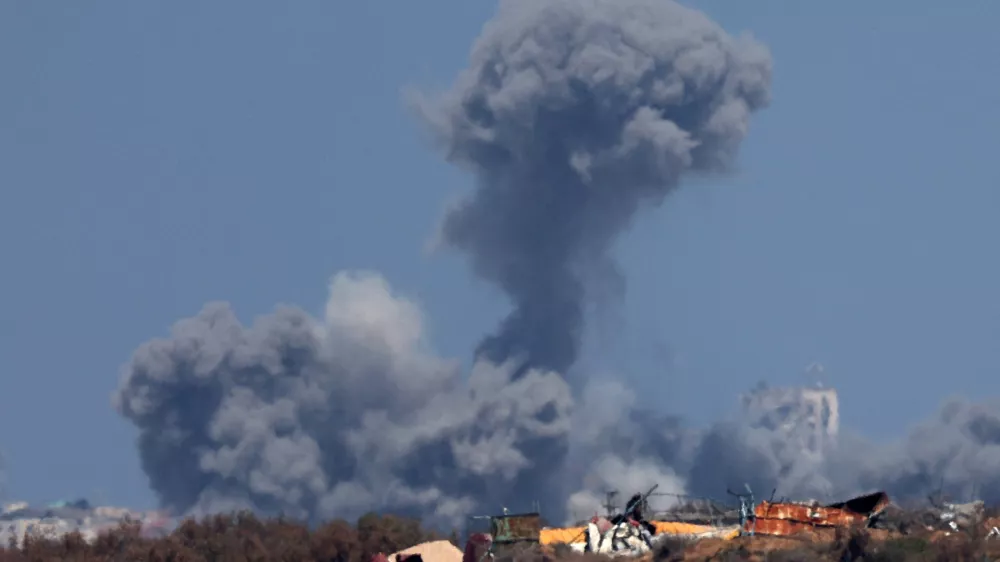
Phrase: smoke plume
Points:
(572, 115)
(956, 452)
(332, 416)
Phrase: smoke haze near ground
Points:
(956, 452)
(572, 116)
(331, 416)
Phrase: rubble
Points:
(627, 533)
(617, 540)
(939, 517)
(963, 515)
(578, 538)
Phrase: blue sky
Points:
(154, 157)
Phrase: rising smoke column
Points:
(573, 115)
(619, 446)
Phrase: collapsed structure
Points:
(789, 518)
(628, 534)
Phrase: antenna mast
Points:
(609, 506)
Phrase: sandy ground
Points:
(436, 551)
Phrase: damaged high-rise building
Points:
(809, 416)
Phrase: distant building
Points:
(58, 518)
(14, 507)
(808, 415)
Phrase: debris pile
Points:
(942, 517)
(626, 533)
(963, 515)
(706, 525)
(701, 511)
(629, 533)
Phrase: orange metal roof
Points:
(789, 518)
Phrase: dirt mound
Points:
(434, 551)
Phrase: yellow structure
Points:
(565, 535)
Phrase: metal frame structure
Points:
(504, 534)
(747, 510)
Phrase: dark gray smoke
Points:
(957, 452)
(331, 416)
(573, 115)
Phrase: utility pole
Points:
(609, 505)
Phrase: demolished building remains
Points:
(789, 518)
(618, 536)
